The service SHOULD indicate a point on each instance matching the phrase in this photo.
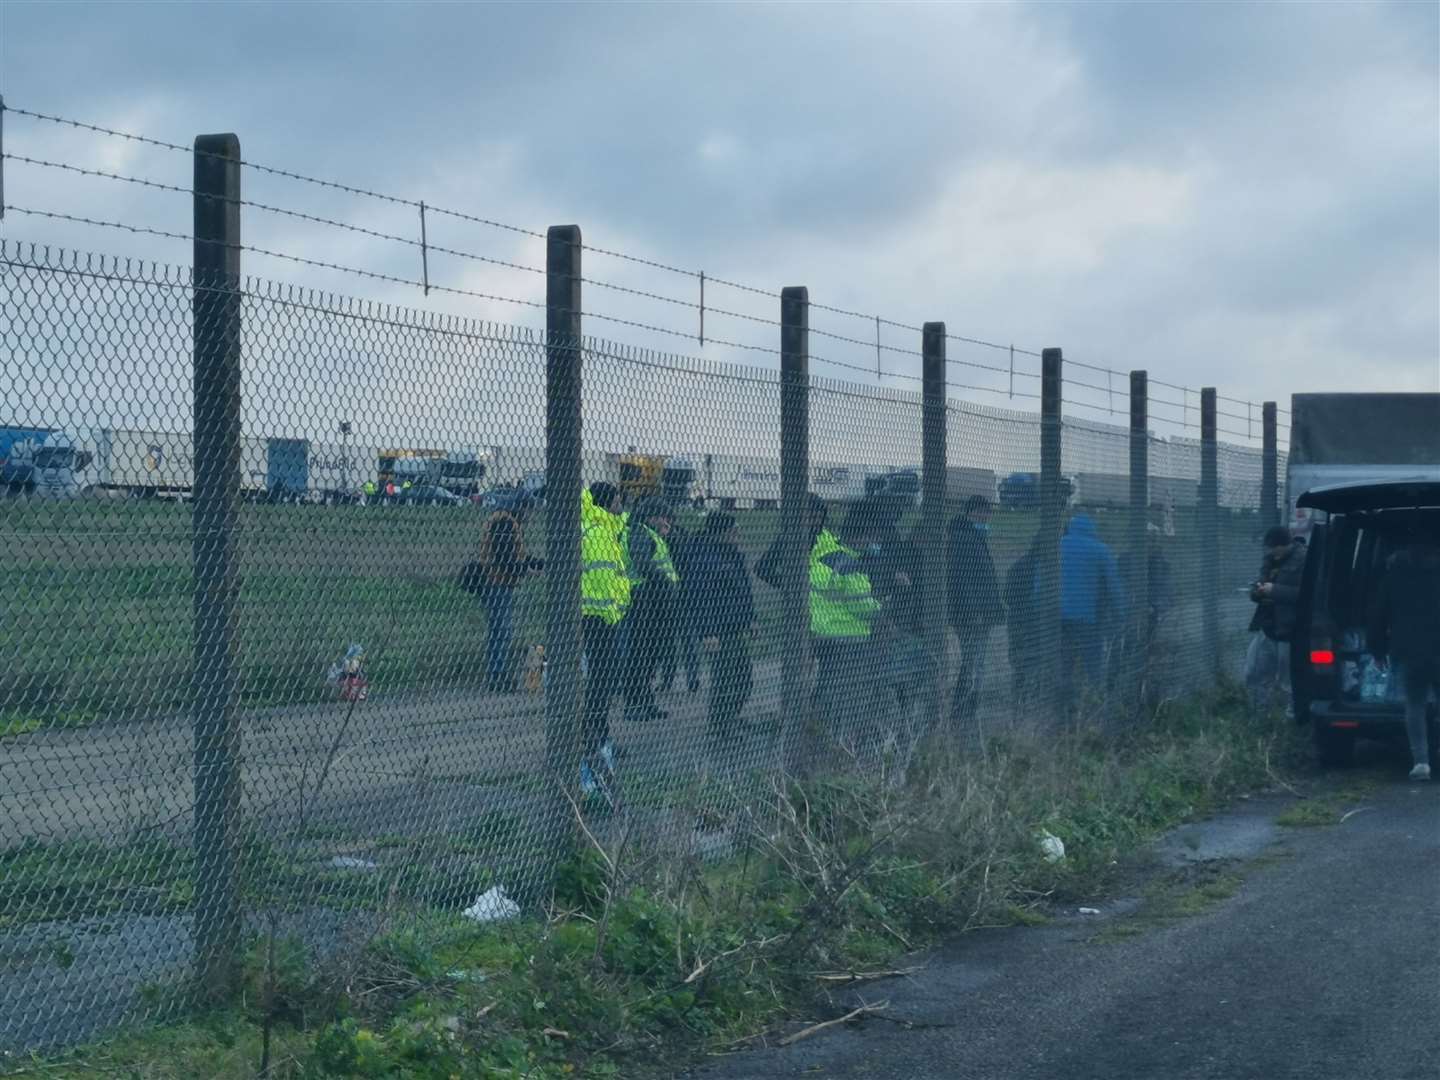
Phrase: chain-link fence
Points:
(306, 678)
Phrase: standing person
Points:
(842, 616)
(723, 611)
(604, 602)
(682, 547)
(816, 514)
(653, 583)
(1089, 586)
(1405, 627)
(503, 565)
(1020, 630)
(1275, 595)
(975, 608)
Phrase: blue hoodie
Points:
(1088, 572)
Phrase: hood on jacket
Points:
(592, 514)
(1082, 525)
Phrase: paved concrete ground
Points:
(1324, 966)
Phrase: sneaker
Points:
(608, 754)
(588, 786)
(1420, 772)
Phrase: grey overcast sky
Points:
(1240, 195)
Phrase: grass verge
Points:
(646, 955)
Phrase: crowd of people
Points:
(657, 600)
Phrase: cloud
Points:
(1241, 195)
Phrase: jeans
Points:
(1267, 669)
(1419, 679)
(500, 620)
(974, 647)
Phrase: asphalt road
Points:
(1324, 966)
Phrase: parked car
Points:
(1338, 688)
(429, 495)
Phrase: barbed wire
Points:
(520, 230)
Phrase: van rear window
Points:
(1357, 552)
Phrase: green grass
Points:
(99, 615)
(607, 986)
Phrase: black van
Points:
(1338, 688)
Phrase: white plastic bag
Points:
(492, 906)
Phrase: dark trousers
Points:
(1082, 645)
(603, 664)
(651, 641)
(731, 680)
(974, 646)
(688, 647)
(845, 688)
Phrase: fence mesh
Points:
(381, 746)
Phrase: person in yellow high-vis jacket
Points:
(604, 602)
(843, 609)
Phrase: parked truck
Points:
(1358, 438)
(41, 462)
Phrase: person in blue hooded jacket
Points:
(1089, 586)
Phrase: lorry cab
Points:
(1354, 531)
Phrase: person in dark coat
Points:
(687, 642)
(1404, 627)
(652, 606)
(723, 611)
(768, 568)
(1275, 596)
(1021, 611)
(975, 608)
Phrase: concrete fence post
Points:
(215, 305)
(1139, 585)
(932, 519)
(1209, 528)
(1269, 468)
(1048, 632)
(564, 357)
(794, 496)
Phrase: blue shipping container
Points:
(287, 465)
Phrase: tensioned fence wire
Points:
(389, 675)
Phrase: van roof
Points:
(1399, 494)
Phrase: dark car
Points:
(1339, 688)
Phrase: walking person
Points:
(653, 585)
(975, 608)
(1275, 595)
(604, 604)
(1089, 586)
(1404, 628)
(502, 567)
(722, 607)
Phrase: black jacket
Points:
(974, 592)
(716, 588)
(1275, 614)
(1405, 615)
